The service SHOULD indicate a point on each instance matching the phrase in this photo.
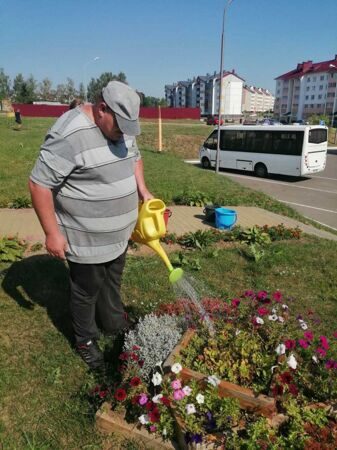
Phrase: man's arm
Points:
(143, 193)
(43, 203)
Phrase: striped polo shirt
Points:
(93, 184)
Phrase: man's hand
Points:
(145, 195)
(56, 245)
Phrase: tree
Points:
(70, 90)
(4, 85)
(17, 87)
(45, 90)
(95, 86)
(315, 119)
(152, 101)
(61, 93)
(24, 91)
(81, 91)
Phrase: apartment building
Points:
(256, 100)
(309, 89)
(203, 92)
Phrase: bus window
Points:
(212, 141)
(318, 136)
(258, 141)
(233, 140)
(288, 143)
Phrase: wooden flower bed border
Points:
(261, 404)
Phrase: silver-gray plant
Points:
(156, 336)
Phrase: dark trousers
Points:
(95, 289)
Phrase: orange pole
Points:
(160, 143)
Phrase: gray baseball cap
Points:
(124, 102)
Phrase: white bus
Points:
(286, 149)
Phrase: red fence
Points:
(29, 110)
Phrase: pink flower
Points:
(142, 399)
(321, 351)
(262, 311)
(251, 294)
(176, 384)
(178, 394)
(309, 335)
(330, 364)
(303, 343)
(324, 342)
(153, 428)
(335, 334)
(261, 295)
(277, 296)
(290, 344)
(235, 302)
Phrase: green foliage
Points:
(255, 236)
(11, 249)
(36, 247)
(192, 198)
(20, 202)
(95, 85)
(199, 239)
(182, 260)
(4, 85)
(315, 119)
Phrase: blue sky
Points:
(160, 42)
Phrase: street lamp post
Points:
(217, 164)
(334, 100)
(85, 75)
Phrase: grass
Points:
(43, 383)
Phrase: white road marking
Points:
(321, 223)
(307, 206)
(324, 178)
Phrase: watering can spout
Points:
(150, 227)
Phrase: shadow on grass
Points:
(41, 280)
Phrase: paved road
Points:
(314, 197)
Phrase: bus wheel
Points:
(205, 163)
(260, 170)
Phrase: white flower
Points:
(176, 368)
(273, 368)
(156, 398)
(259, 320)
(315, 359)
(237, 332)
(164, 432)
(158, 364)
(143, 419)
(280, 349)
(280, 319)
(200, 398)
(187, 390)
(157, 379)
(304, 326)
(213, 380)
(274, 311)
(300, 320)
(273, 317)
(284, 306)
(190, 408)
(291, 361)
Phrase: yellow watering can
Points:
(150, 227)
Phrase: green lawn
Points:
(43, 383)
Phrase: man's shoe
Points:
(91, 354)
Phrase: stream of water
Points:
(186, 287)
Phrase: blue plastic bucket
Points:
(225, 218)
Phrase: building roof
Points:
(310, 67)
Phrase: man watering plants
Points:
(85, 188)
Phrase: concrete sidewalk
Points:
(25, 224)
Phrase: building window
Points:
(314, 79)
(313, 88)
(320, 96)
(305, 106)
(321, 87)
(312, 97)
(308, 88)
(308, 79)
(321, 77)
(307, 97)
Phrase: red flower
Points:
(102, 394)
(309, 335)
(135, 347)
(149, 405)
(321, 351)
(124, 356)
(324, 342)
(154, 415)
(135, 381)
(293, 389)
(290, 344)
(277, 390)
(235, 302)
(330, 364)
(134, 356)
(165, 401)
(262, 295)
(277, 296)
(303, 343)
(120, 395)
(262, 311)
(135, 399)
(286, 377)
(141, 363)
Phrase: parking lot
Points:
(315, 197)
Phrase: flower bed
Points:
(263, 363)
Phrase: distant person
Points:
(18, 117)
(74, 103)
(85, 186)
